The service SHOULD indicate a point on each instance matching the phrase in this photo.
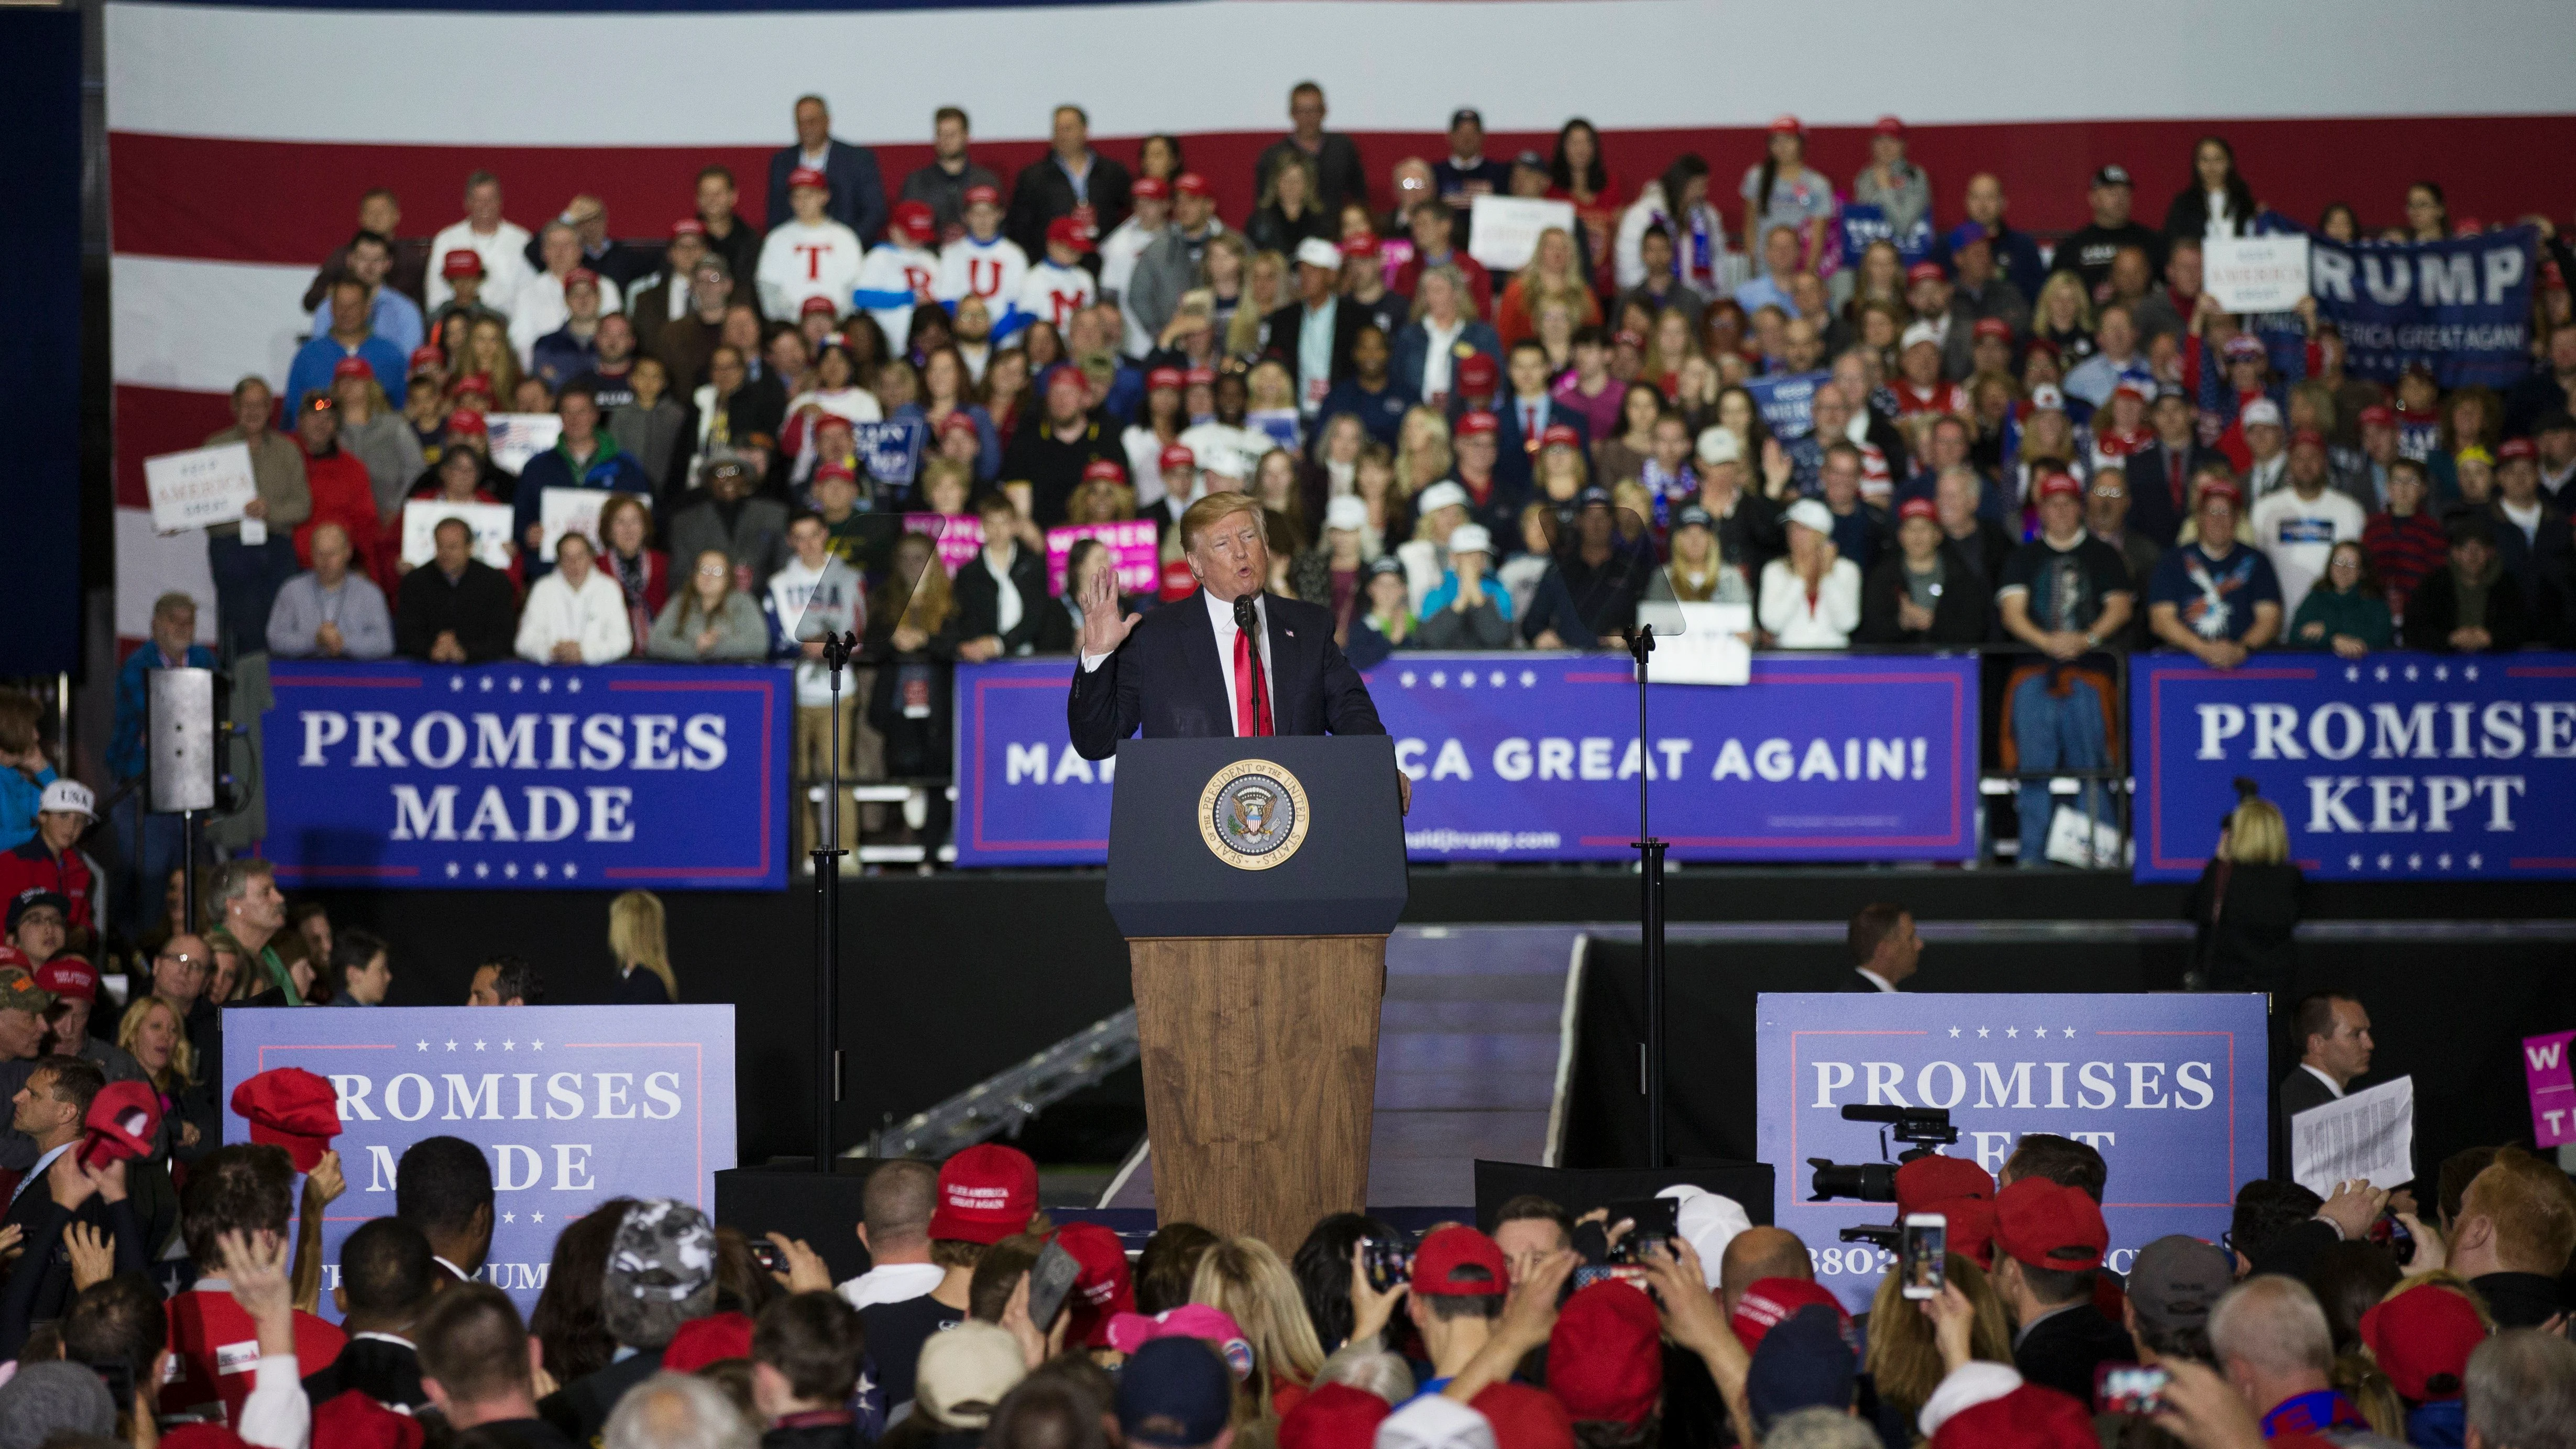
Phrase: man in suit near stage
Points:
(1884, 948)
(1188, 670)
(2333, 1033)
(858, 191)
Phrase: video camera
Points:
(1926, 1128)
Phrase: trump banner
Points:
(570, 1105)
(2170, 1089)
(1788, 405)
(420, 776)
(2395, 767)
(1536, 757)
(2462, 306)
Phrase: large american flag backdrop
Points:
(240, 136)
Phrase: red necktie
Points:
(1251, 696)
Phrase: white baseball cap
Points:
(1709, 1221)
(1919, 332)
(1471, 538)
(2261, 412)
(1437, 497)
(69, 795)
(1717, 445)
(1314, 251)
(1812, 513)
(1346, 512)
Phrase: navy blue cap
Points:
(1174, 1393)
(1804, 1362)
(1386, 563)
(1591, 496)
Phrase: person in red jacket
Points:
(237, 1196)
(50, 860)
(342, 491)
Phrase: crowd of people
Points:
(132, 1316)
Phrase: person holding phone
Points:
(2173, 1283)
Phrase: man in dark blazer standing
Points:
(52, 1111)
(1524, 416)
(858, 192)
(1884, 949)
(2333, 1036)
(2160, 474)
(1187, 669)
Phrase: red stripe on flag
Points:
(155, 420)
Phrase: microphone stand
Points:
(1650, 914)
(827, 855)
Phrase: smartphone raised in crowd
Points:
(1050, 1282)
(1923, 1255)
(2130, 1388)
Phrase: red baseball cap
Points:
(1476, 373)
(2423, 1338)
(1560, 435)
(1199, 377)
(2045, 1225)
(424, 357)
(1176, 456)
(983, 195)
(472, 382)
(68, 976)
(1770, 1301)
(812, 305)
(122, 1120)
(1333, 1416)
(290, 1107)
(1170, 377)
(986, 1193)
(2215, 487)
(352, 367)
(1937, 1177)
(808, 176)
(1916, 508)
(580, 277)
(1603, 1361)
(1523, 1417)
(957, 421)
(1890, 126)
(1149, 188)
(838, 469)
(1477, 424)
(712, 1339)
(2056, 485)
(688, 226)
(1103, 470)
(1993, 327)
(2310, 437)
(2379, 415)
(915, 220)
(1071, 232)
(1971, 1227)
(1629, 337)
(1925, 272)
(462, 262)
(1363, 245)
(1785, 126)
(1102, 1288)
(1437, 1261)
(2030, 1417)
(2512, 448)
(466, 422)
(1190, 183)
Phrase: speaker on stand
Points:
(180, 741)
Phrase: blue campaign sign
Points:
(419, 776)
(2462, 305)
(1864, 224)
(2395, 767)
(1535, 757)
(1788, 403)
(2170, 1089)
(892, 451)
(572, 1106)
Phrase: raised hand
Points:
(1103, 628)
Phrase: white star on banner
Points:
(572, 686)
(1466, 679)
(1439, 679)
(509, 1046)
(517, 684)
(546, 685)
(2381, 672)
(424, 1046)
(1405, 678)
(2070, 1033)
(1954, 1031)
(2384, 861)
(481, 870)
(540, 870)
(2443, 860)
(451, 1045)
(1529, 679)
(571, 870)
(511, 870)
(2353, 862)
(2411, 671)
(536, 1046)
(451, 870)
(2009, 1031)
(1981, 1031)
(509, 1217)
(2441, 671)
(487, 684)
(455, 682)
(536, 1217)
(2352, 671)
(2476, 861)
(2468, 671)
(478, 1046)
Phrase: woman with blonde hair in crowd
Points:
(1904, 1357)
(488, 356)
(2246, 904)
(154, 1033)
(637, 939)
(2063, 317)
(1245, 1278)
(1552, 275)
(1265, 290)
(1422, 455)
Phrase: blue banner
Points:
(1864, 224)
(890, 452)
(418, 776)
(2395, 767)
(2172, 1090)
(1534, 757)
(1788, 404)
(571, 1105)
(2463, 305)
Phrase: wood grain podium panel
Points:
(1260, 1065)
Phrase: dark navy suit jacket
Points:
(858, 192)
(1167, 681)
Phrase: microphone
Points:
(1248, 619)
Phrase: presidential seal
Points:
(1253, 815)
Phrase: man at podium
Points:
(1229, 660)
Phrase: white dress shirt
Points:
(892, 1283)
(594, 616)
(1876, 981)
(1221, 618)
(1008, 608)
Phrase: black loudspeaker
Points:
(820, 1208)
(1581, 1189)
(181, 739)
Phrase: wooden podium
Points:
(1256, 881)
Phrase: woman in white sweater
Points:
(577, 614)
(1811, 597)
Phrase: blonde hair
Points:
(1905, 1360)
(2256, 834)
(1251, 309)
(2071, 284)
(1245, 1278)
(1435, 455)
(1212, 510)
(182, 1071)
(636, 937)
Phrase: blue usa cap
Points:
(1174, 1393)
